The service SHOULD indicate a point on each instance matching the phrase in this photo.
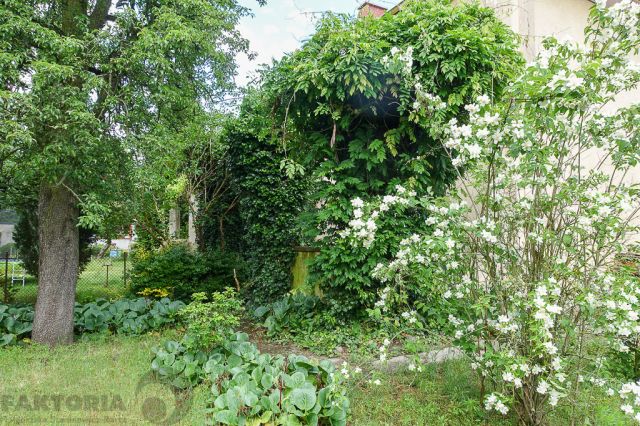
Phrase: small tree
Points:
(518, 258)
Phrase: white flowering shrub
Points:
(520, 255)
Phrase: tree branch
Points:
(100, 14)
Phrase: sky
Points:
(282, 25)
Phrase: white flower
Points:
(357, 203)
(488, 236)
(550, 348)
(543, 387)
(573, 81)
(627, 409)
(501, 408)
(554, 309)
(474, 150)
(377, 382)
(483, 100)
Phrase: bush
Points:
(524, 268)
(184, 272)
(253, 388)
(208, 323)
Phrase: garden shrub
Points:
(184, 272)
(521, 254)
(154, 293)
(248, 387)
(210, 319)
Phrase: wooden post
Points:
(107, 266)
(174, 223)
(193, 212)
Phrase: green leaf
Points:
(303, 398)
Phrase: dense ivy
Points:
(259, 218)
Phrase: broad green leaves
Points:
(249, 388)
(126, 316)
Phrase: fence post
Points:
(124, 271)
(6, 277)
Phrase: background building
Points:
(8, 220)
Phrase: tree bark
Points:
(58, 266)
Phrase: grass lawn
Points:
(92, 283)
(104, 379)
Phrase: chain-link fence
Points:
(106, 277)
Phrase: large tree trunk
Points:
(58, 266)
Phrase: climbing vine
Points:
(345, 110)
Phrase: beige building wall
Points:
(534, 20)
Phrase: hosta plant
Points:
(15, 323)
(293, 312)
(126, 316)
(519, 257)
